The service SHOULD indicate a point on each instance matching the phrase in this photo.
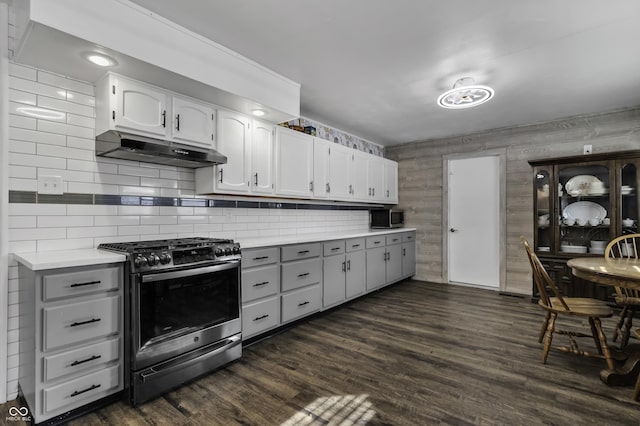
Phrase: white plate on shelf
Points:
(594, 250)
(544, 248)
(573, 249)
(584, 210)
(580, 184)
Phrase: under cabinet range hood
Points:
(128, 146)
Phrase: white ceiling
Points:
(375, 68)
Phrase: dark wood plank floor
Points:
(412, 354)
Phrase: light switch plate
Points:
(50, 185)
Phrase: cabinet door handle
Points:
(260, 257)
(355, 245)
(164, 118)
(387, 193)
(335, 248)
(77, 323)
(344, 266)
(261, 284)
(178, 122)
(350, 189)
(369, 191)
(303, 275)
(303, 252)
(388, 255)
(221, 170)
(261, 317)
(256, 179)
(74, 363)
(349, 265)
(328, 187)
(404, 251)
(83, 284)
(90, 388)
(376, 242)
(373, 192)
(306, 302)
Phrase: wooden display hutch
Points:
(580, 204)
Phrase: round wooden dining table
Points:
(614, 272)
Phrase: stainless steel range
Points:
(182, 311)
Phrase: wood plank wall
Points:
(420, 180)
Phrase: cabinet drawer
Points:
(300, 251)
(394, 239)
(70, 284)
(260, 316)
(82, 390)
(260, 257)
(333, 247)
(355, 244)
(76, 322)
(408, 236)
(260, 282)
(79, 360)
(373, 242)
(300, 274)
(301, 302)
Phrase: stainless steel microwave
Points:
(386, 218)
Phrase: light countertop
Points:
(37, 261)
(249, 243)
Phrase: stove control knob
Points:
(140, 261)
(165, 258)
(219, 252)
(227, 251)
(153, 260)
(236, 250)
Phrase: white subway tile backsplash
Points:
(22, 122)
(158, 220)
(36, 136)
(22, 221)
(138, 171)
(158, 183)
(81, 98)
(34, 87)
(92, 166)
(95, 231)
(22, 97)
(25, 209)
(22, 147)
(65, 129)
(27, 234)
(138, 210)
(116, 220)
(167, 192)
(37, 161)
(116, 179)
(193, 219)
(64, 221)
(138, 230)
(173, 210)
(42, 113)
(17, 70)
(66, 106)
(65, 244)
(81, 143)
(17, 184)
(139, 191)
(92, 188)
(165, 229)
(204, 228)
(91, 210)
(67, 175)
(80, 154)
(65, 83)
(82, 121)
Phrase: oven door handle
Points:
(189, 272)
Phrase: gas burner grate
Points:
(159, 245)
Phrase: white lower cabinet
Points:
(71, 345)
(286, 283)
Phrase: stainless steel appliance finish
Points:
(386, 218)
(183, 315)
(128, 146)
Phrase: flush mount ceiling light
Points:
(258, 112)
(465, 94)
(100, 59)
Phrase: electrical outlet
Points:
(587, 149)
(50, 185)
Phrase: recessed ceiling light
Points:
(100, 59)
(41, 113)
(258, 112)
(465, 94)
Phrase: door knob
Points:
(453, 230)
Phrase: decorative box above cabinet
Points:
(137, 107)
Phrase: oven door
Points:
(179, 311)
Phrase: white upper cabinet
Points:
(390, 182)
(262, 157)
(358, 176)
(321, 172)
(375, 178)
(340, 160)
(138, 107)
(294, 163)
(192, 122)
(233, 141)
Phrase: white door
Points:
(474, 221)
(294, 163)
(233, 141)
(262, 157)
(192, 123)
(140, 108)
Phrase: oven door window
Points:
(171, 307)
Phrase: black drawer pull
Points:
(90, 388)
(355, 245)
(303, 275)
(83, 284)
(335, 248)
(303, 252)
(303, 303)
(74, 363)
(394, 240)
(262, 283)
(75, 324)
(261, 317)
(376, 242)
(261, 258)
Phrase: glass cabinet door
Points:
(544, 235)
(628, 198)
(584, 208)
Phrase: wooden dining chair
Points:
(625, 246)
(554, 303)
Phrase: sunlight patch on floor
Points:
(334, 410)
